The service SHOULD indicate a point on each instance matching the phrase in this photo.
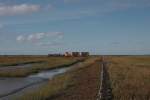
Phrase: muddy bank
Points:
(26, 70)
(10, 87)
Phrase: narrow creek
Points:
(12, 86)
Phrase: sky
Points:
(57, 26)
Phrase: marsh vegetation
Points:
(130, 77)
(41, 63)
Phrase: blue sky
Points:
(53, 26)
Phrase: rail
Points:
(105, 91)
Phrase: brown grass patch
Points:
(130, 76)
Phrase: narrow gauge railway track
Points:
(105, 91)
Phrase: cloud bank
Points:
(18, 9)
(42, 39)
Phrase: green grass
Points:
(49, 63)
(130, 77)
(56, 85)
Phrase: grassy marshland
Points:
(15, 60)
(56, 85)
(47, 63)
(130, 76)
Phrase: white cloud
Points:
(42, 39)
(35, 37)
(20, 38)
(38, 36)
(53, 34)
(18, 9)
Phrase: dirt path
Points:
(85, 84)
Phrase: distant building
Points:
(71, 54)
(85, 54)
(67, 54)
(75, 54)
